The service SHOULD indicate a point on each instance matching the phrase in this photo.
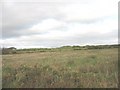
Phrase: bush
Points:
(8, 51)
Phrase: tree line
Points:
(13, 50)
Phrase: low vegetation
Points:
(13, 50)
(61, 68)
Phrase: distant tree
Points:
(0, 50)
(76, 47)
(10, 50)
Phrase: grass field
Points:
(96, 68)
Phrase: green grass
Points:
(70, 68)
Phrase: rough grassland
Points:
(96, 68)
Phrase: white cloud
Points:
(48, 25)
(89, 11)
(57, 23)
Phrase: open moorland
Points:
(65, 67)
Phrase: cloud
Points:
(88, 12)
(57, 23)
(48, 24)
(19, 16)
(49, 40)
(0, 20)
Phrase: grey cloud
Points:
(94, 38)
(24, 15)
(92, 21)
(90, 38)
(19, 16)
(15, 31)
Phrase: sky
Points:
(55, 23)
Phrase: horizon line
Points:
(30, 47)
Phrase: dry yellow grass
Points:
(81, 68)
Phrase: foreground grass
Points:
(80, 68)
